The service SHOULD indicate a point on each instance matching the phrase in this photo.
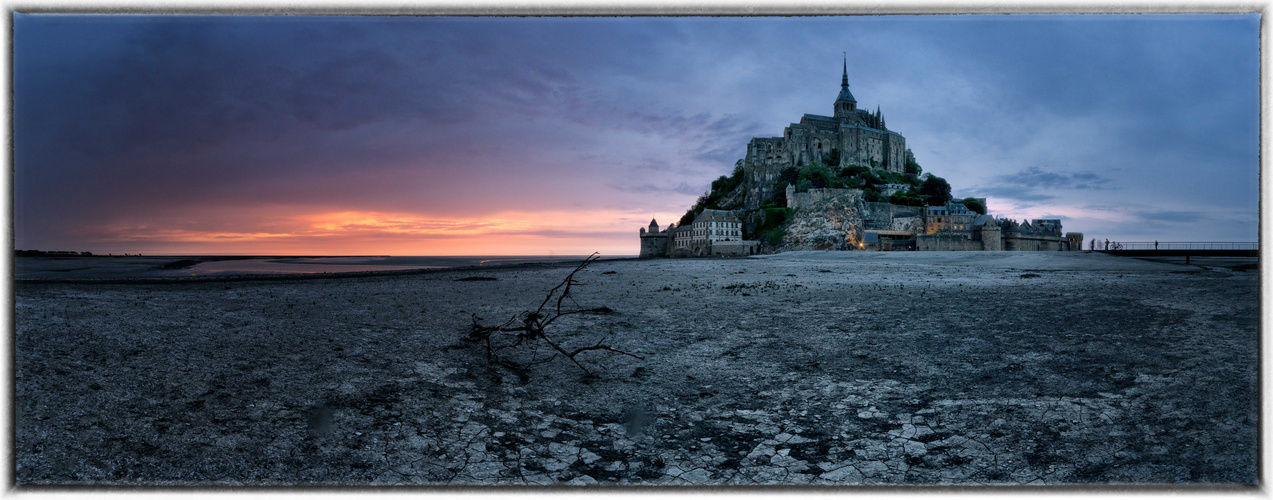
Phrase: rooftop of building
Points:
(949, 209)
(711, 215)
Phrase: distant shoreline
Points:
(188, 262)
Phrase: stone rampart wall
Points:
(654, 245)
(1018, 242)
(734, 248)
(940, 242)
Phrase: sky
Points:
(296, 135)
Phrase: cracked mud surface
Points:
(800, 368)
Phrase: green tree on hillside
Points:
(688, 218)
(719, 188)
(974, 205)
(912, 167)
(935, 191)
(832, 158)
(819, 176)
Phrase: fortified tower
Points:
(653, 242)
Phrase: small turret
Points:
(654, 226)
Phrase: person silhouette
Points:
(1155, 244)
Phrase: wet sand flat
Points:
(834, 368)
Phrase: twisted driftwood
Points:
(529, 326)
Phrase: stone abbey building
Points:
(842, 219)
(854, 136)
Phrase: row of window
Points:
(709, 229)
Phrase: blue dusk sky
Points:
(536, 136)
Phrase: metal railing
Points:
(1179, 245)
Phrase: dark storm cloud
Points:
(138, 113)
(183, 108)
(1036, 184)
(1035, 177)
(1015, 193)
(194, 85)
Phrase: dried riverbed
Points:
(801, 368)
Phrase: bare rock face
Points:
(832, 224)
(734, 199)
(907, 224)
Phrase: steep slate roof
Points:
(959, 209)
(982, 219)
(845, 95)
(710, 215)
(808, 116)
(951, 208)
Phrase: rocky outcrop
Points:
(734, 199)
(915, 224)
(831, 223)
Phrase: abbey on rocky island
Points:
(839, 218)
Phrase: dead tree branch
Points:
(529, 326)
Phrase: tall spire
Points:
(844, 80)
(845, 95)
(845, 104)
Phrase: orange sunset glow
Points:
(381, 233)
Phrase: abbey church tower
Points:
(850, 136)
(845, 105)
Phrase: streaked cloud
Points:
(1171, 216)
(1035, 177)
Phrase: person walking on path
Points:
(1107, 245)
(1155, 244)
